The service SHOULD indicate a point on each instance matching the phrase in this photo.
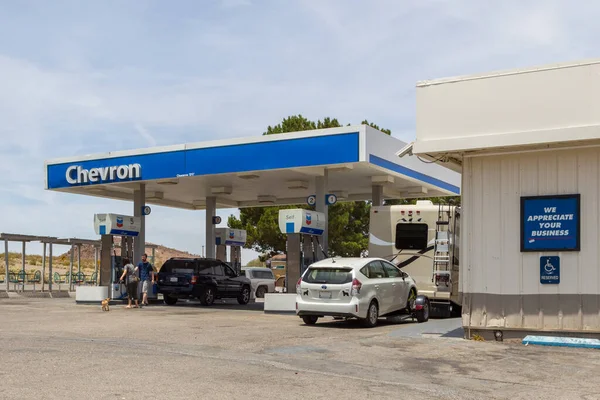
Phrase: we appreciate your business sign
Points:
(550, 223)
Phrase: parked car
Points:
(363, 288)
(201, 278)
(262, 280)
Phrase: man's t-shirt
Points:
(145, 269)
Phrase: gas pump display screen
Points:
(411, 236)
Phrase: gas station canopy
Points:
(258, 171)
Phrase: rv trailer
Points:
(423, 240)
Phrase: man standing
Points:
(146, 276)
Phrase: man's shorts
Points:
(145, 286)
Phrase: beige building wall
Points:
(501, 284)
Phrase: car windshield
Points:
(328, 275)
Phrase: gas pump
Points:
(111, 266)
(235, 238)
(303, 229)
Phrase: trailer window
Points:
(411, 236)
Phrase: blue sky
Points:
(86, 77)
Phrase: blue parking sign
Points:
(549, 269)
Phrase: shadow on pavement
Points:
(355, 324)
(217, 305)
(455, 333)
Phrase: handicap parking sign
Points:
(550, 269)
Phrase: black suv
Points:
(202, 278)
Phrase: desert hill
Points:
(162, 253)
(61, 262)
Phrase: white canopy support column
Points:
(139, 245)
(211, 209)
(377, 195)
(320, 206)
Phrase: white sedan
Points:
(363, 288)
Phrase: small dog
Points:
(105, 306)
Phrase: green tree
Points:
(296, 123)
(348, 222)
(372, 125)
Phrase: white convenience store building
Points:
(527, 143)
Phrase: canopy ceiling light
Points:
(199, 203)
(417, 190)
(341, 168)
(248, 176)
(340, 194)
(167, 182)
(267, 199)
(154, 195)
(297, 185)
(221, 190)
(382, 180)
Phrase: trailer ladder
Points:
(441, 252)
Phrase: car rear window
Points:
(328, 275)
(179, 267)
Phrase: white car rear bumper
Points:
(354, 308)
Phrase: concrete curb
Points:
(276, 312)
(562, 341)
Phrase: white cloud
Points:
(145, 135)
(120, 75)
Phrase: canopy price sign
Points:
(550, 223)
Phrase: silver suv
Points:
(262, 280)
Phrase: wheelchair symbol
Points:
(549, 268)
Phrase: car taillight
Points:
(194, 280)
(356, 285)
(298, 285)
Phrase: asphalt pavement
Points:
(56, 349)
